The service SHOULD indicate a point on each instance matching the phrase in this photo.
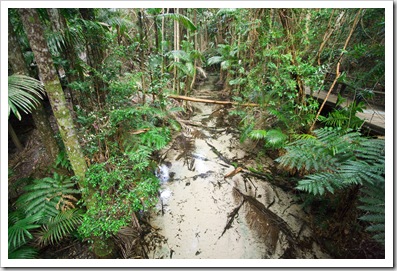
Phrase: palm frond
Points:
(181, 54)
(19, 232)
(48, 195)
(23, 252)
(60, 226)
(215, 60)
(24, 93)
(180, 18)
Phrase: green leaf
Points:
(180, 18)
(257, 134)
(24, 93)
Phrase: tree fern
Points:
(372, 201)
(334, 161)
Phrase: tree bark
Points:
(14, 137)
(59, 25)
(162, 41)
(40, 119)
(35, 33)
(95, 54)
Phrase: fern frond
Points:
(373, 203)
(156, 138)
(376, 218)
(320, 182)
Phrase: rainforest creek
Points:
(179, 133)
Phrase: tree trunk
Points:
(162, 42)
(95, 54)
(35, 33)
(14, 137)
(176, 48)
(355, 22)
(328, 32)
(40, 119)
(59, 25)
(285, 17)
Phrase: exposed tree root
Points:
(273, 219)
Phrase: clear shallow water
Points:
(197, 201)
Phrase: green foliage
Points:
(124, 183)
(180, 18)
(19, 228)
(274, 138)
(47, 203)
(24, 93)
(344, 118)
(63, 161)
(334, 160)
(23, 252)
(338, 160)
(48, 195)
(120, 191)
(59, 226)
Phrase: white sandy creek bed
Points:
(197, 199)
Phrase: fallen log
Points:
(199, 100)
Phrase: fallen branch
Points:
(232, 173)
(198, 100)
(139, 131)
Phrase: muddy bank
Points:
(203, 215)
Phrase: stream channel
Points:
(203, 215)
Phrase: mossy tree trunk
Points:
(18, 65)
(73, 73)
(49, 77)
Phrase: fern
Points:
(338, 161)
(373, 204)
(59, 226)
(156, 138)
